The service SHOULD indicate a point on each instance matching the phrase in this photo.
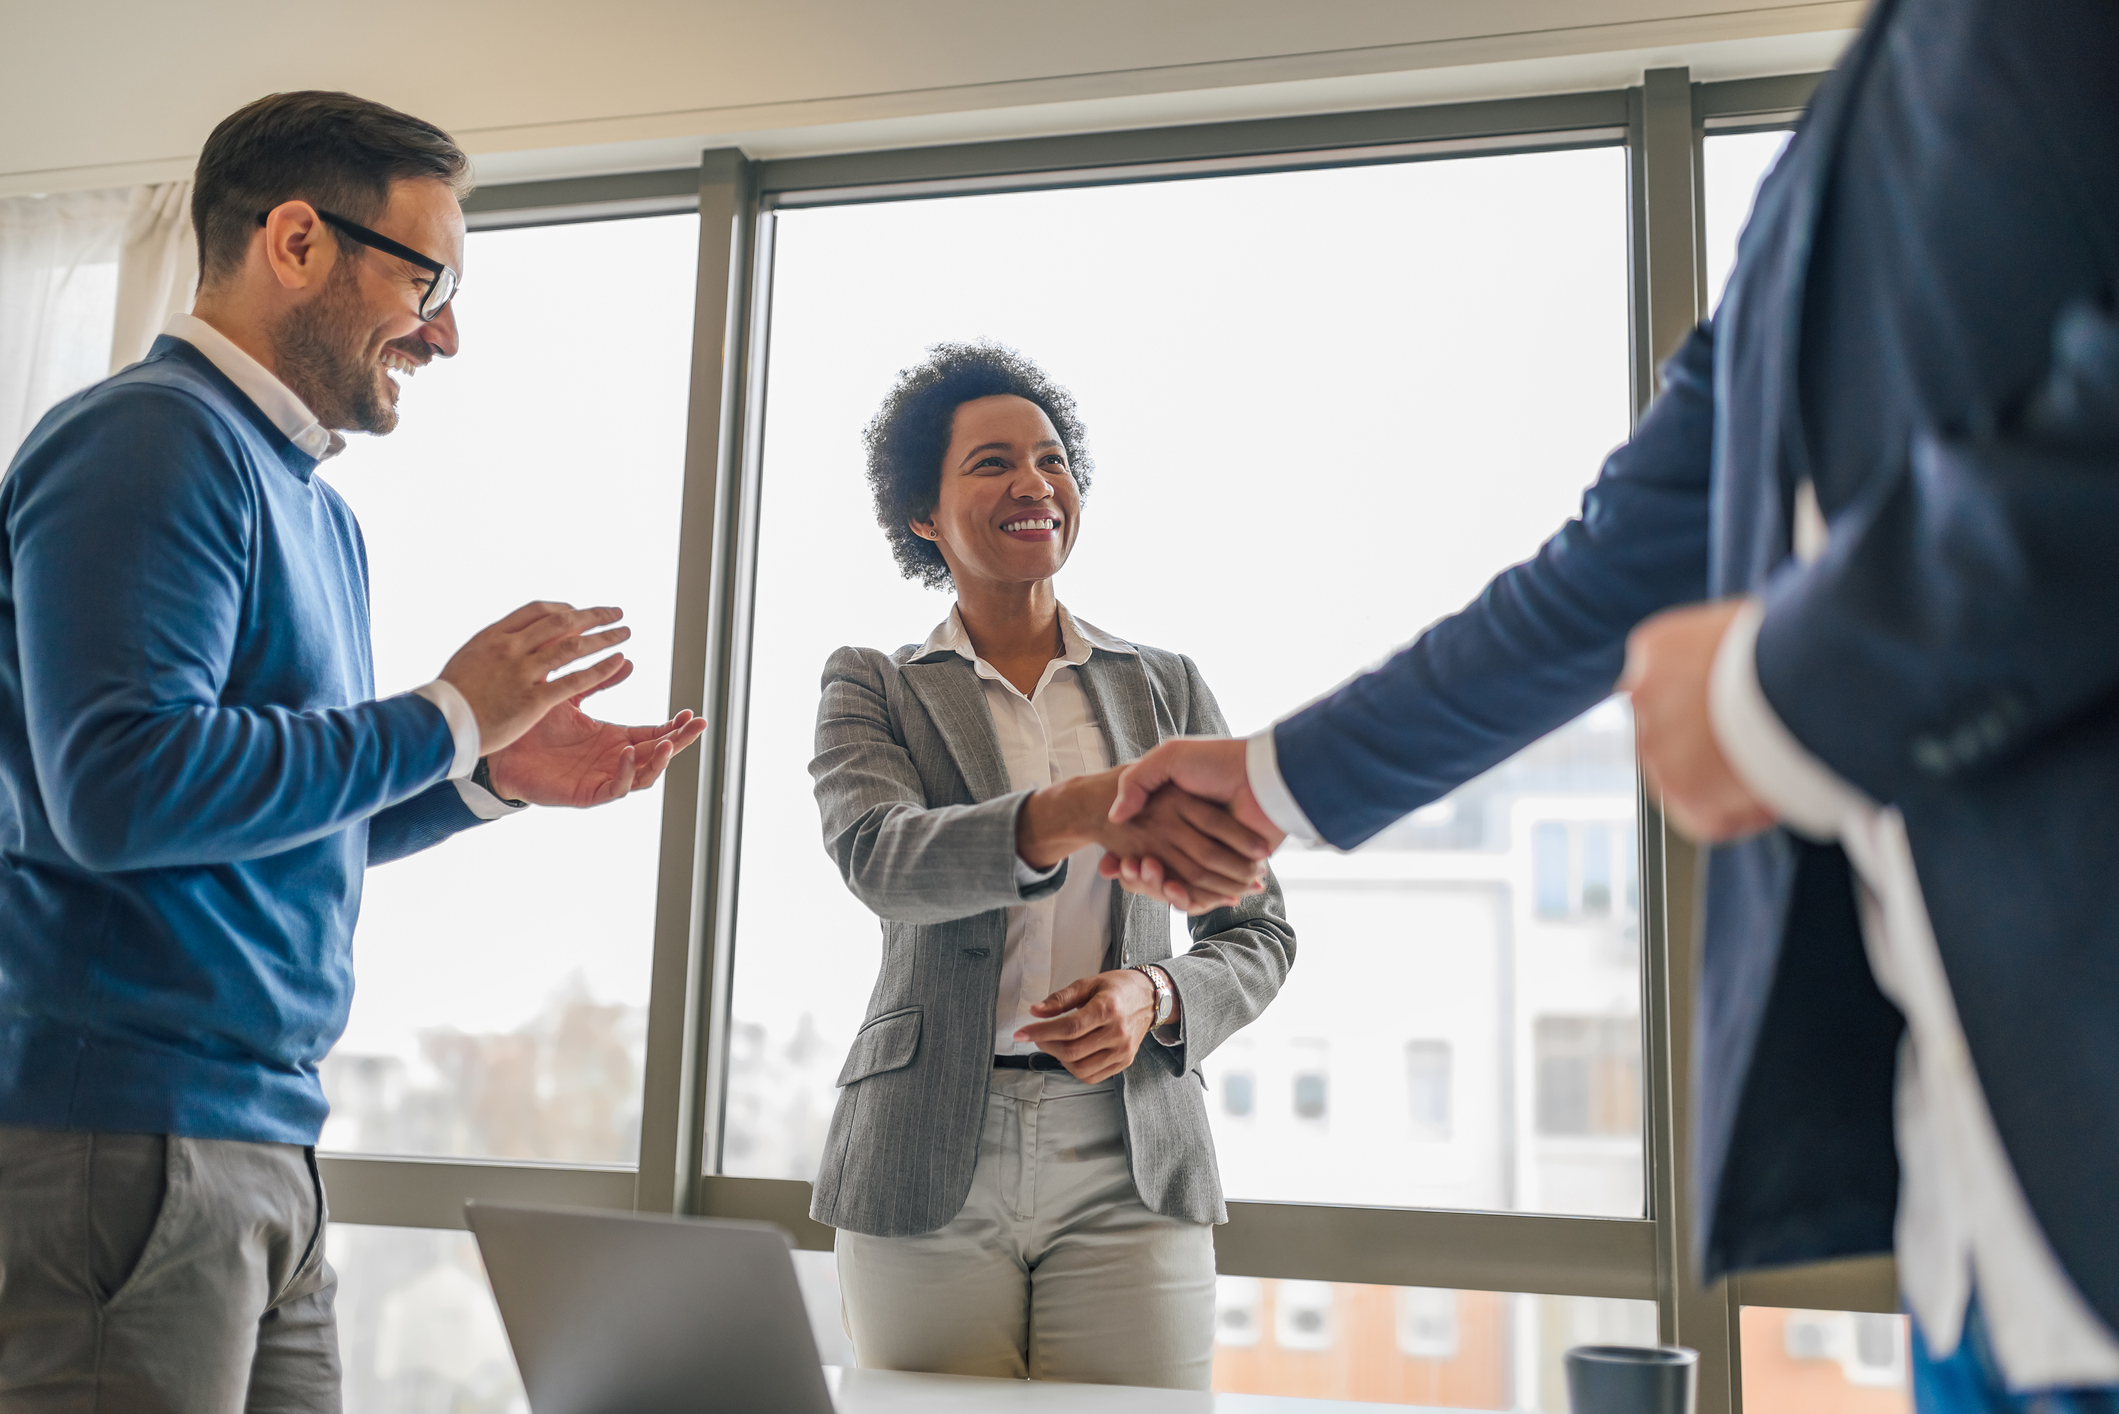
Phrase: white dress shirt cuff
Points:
(484, 804)
(463, 725)
(1029, 876)
(1261, 763)
(1808, 795)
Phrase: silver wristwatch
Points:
(1165, 994)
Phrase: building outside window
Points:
(1428, 1088)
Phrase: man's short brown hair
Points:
(335, 151)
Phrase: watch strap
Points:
(1165, 993)
(482, 777)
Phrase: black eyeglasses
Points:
(440, 289)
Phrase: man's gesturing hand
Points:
(502, 672)
(570, 758)
(1669, 664)
(1097, 1023)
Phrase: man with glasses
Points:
(195, 771)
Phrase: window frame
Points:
(1662, 123)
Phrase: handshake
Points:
(1180, 824)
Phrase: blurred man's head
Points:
(330, 232)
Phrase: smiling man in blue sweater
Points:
(195, 772)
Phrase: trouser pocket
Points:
(127, 1182)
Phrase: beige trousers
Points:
(1053, 1270)
(149, 1274)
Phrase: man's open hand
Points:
(570, 758)
(1097, 1023)
(504, 672)
(1669, 664)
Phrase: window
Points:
(1417, 1345)
(1589, 1076)
(417, 1327)
(1302, 1315)
(1734, 164)
(1492, 949)
(1550, 867)
(1427, 1085)
(503, 976)
(1311, 1080)
(1203, 322)
(1825, 1362)
(1584, 872)
(1427, 1323)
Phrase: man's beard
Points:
(322, 355)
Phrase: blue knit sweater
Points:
(193, 773)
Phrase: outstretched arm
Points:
(1541, 644)
(129, 543)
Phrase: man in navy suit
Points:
(1860, 563)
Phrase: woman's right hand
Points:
(1207, 857)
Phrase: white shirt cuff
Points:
(484, 804)
(1261, 762)
(1808, 795)
(463, 725)
(1029, 875)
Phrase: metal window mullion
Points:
(431, 1193)
(1669, 265)
(687, 955)
(717, 990)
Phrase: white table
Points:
(895, 1392)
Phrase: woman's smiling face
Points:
(1007, 511)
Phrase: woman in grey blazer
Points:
(1019, 1165)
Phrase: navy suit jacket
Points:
(1921, 323)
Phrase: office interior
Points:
(1277, 252)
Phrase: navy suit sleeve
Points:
(1542, 643)
(420, 823)
(1971, 604)
(130, 541)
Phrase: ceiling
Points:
(110, 92)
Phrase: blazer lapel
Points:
(953, 696)
(1116, 685)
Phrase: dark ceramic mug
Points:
(1631, 1379)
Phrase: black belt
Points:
(1037, 1060)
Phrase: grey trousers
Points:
(1053, 1270)
(150, 1274)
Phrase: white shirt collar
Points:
(273, 398)
(1077, 636)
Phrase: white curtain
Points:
(58, 298)
(86, 281)
(158, 266)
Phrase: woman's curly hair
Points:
(909, 436)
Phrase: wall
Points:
(108, 92)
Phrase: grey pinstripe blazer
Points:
(921, 822)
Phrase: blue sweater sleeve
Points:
(134, 539)
(1542, 643)
(420, 823)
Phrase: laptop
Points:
(622, 1313)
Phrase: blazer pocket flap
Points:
(886, 1043)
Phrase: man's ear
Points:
(299, 250)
